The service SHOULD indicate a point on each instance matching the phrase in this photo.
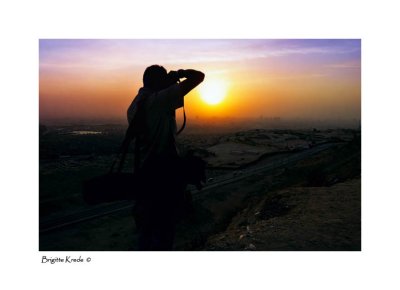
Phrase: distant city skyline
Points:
(299, 78)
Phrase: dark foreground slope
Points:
(297, 218)
(314, 204)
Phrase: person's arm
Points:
(172, 97)
(193, 79)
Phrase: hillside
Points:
(297, 218)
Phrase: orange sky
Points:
(86, 79)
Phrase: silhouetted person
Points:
(156, 157)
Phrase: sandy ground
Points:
(298, 218)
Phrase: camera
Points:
(172, 78)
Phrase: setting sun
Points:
(244, 78)
(213, 91)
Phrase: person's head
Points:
(154, 77)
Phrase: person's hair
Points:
(154, 76)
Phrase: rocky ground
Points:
(314, 204)
(297, 218)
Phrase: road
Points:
(51, 224)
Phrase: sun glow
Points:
(213, 91)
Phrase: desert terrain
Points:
(258, 197)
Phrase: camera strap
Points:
(132, 133)
(184, 122)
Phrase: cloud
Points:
(344, 65)
(116, 53)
